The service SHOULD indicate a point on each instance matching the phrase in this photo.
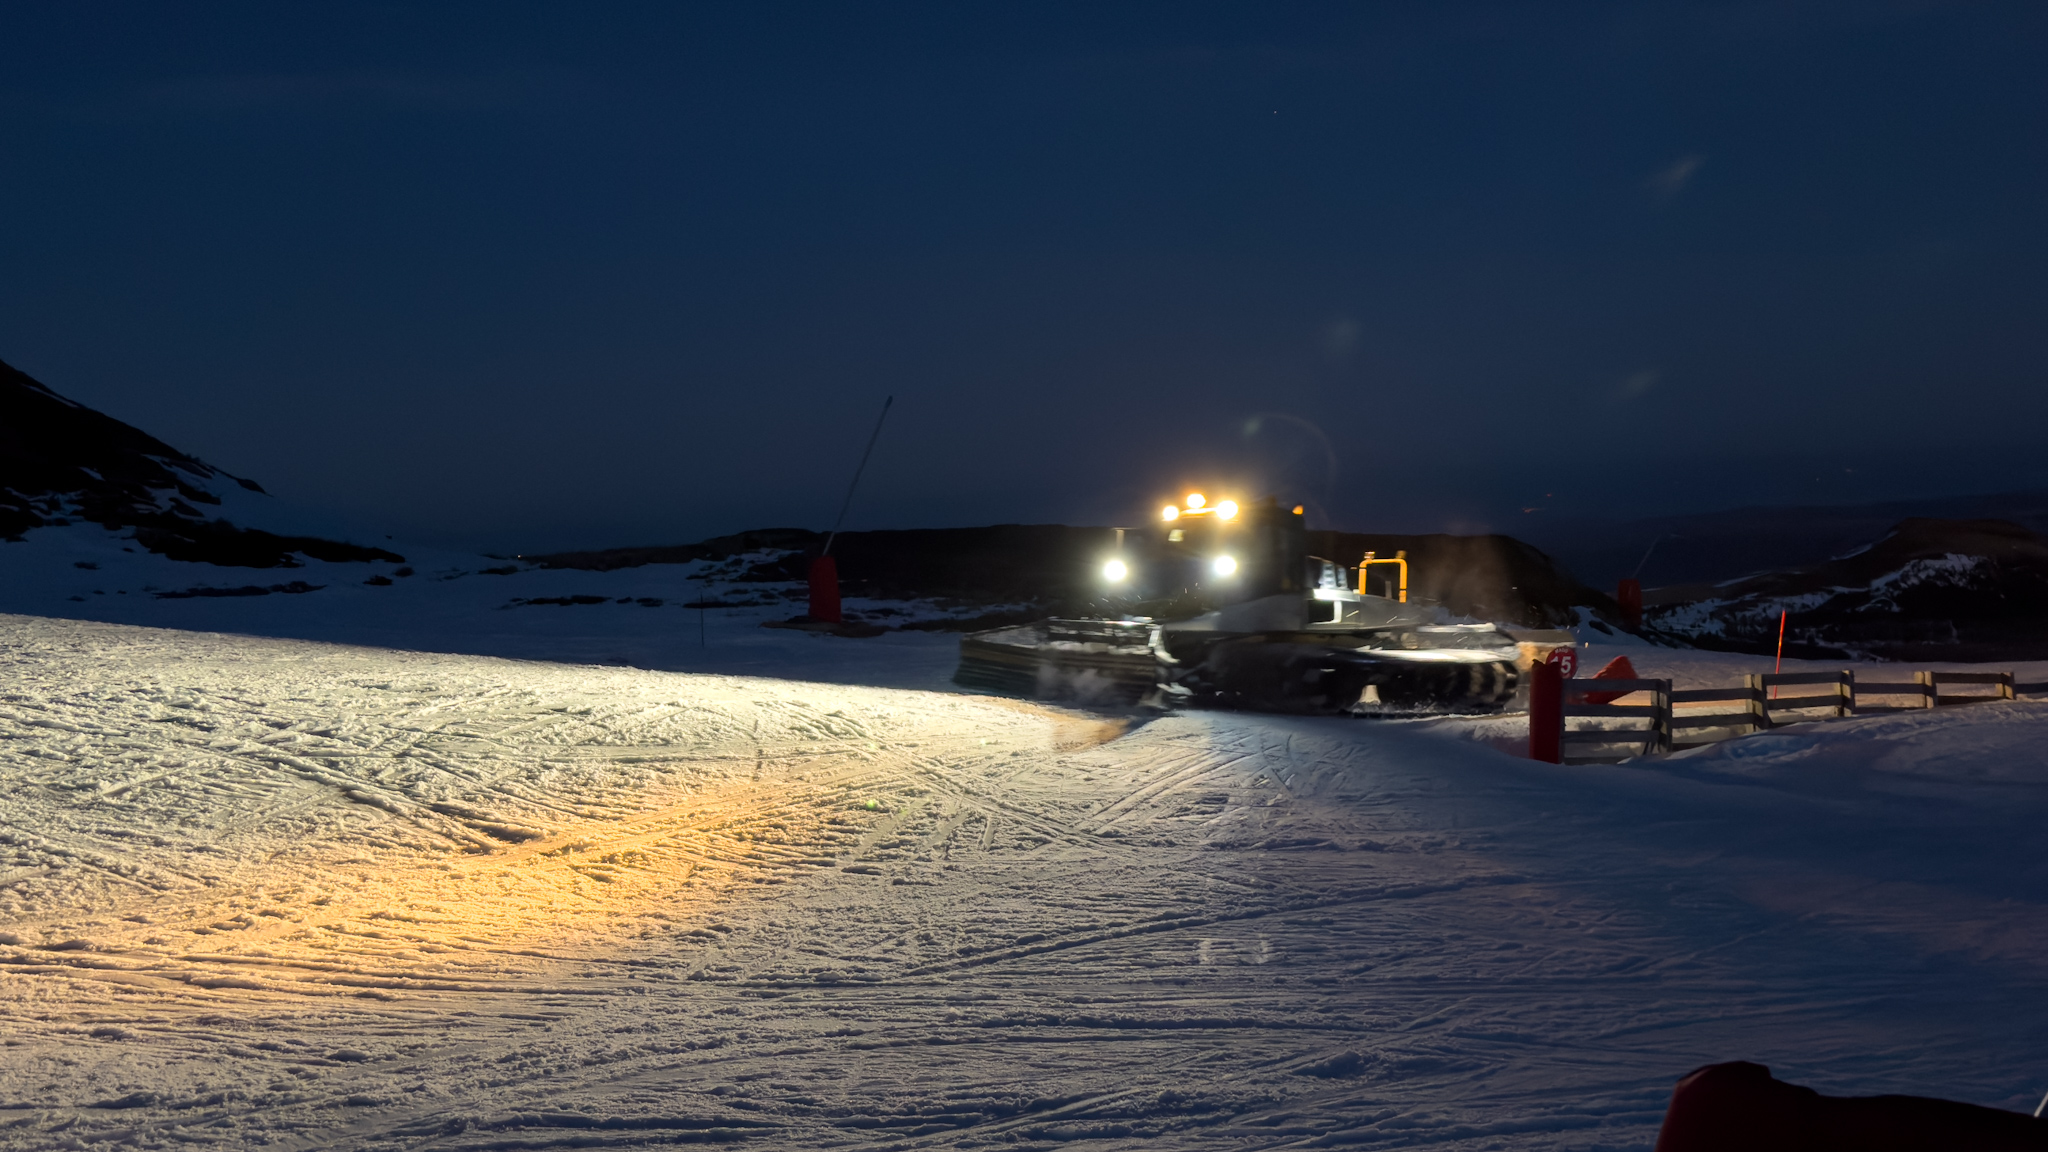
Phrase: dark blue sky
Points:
(527, 277)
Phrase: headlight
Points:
(1195, 500)
(1223, 565)
(1226, 510)
(1114, 571)
(1170, 513)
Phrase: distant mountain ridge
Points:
(1711, 546)
(1928, 589)
(61, 462)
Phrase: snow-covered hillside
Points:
(268, 892)
(643, 617)
(1928, 589)
(63, 464)
(101, 521)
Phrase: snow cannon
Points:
(1219, 602)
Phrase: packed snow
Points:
(281, 893)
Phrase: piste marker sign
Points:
(1566, 660)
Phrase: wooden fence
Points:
(1653, 736)
(1758, 704)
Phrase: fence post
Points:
(2005, 686)
(1546, 713)
(1759, 716)
(1661, 721)
(1928, 688)
(1849, 692)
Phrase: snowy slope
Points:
(280, 893)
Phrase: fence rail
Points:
(1754, 714)
(1758, 704)
(1651, 738)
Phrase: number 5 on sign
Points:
(1566, 660)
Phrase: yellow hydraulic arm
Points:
(1400, 558)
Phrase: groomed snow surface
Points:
(280, 893)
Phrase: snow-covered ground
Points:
(283, 893)
(457, 602)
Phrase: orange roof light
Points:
(1297, 509)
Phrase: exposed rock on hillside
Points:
(777, 540)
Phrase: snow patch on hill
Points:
(1954, 568)
(1725, 617)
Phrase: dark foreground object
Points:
(1739, 1107)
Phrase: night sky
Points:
(526, 277)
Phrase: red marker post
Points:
(1546, 704)
(1780, 665)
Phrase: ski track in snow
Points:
(293, 895)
